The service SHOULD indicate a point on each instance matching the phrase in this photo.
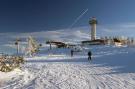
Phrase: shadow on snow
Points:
(124, 62)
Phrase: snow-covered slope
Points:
(111, 67)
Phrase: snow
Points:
(111, 67)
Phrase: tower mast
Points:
(93, 23)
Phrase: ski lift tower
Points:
(17, 44)
(93, 23)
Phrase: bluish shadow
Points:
(124, 62)
(57, 60)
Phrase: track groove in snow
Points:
(75, 76)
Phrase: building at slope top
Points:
(105, 40)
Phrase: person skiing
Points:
(72, 53)
(89, 55)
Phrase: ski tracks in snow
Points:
(72, 76)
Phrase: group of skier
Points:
(89, 55)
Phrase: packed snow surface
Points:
(110, 68)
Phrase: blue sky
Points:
(42, 15)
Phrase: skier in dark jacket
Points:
(72, 53)
(89, 55)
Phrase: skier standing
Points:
(72, 53)
(89, 55)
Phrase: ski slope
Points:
(111, 68)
